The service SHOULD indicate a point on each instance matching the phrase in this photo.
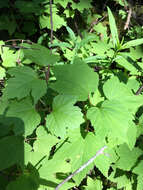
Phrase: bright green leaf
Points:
(44, 142)
(95, 184)
(128, 158)
(111, 119)
(113, 28)
(64, 116)
(2, 73)
(132, 43)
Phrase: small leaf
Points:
(113, 28)
(95, 184)
(71, 33)
(44, 142)
(132, 43)
(2, 73)
(128, 158)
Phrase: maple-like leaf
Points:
(24, 83)
(64, 115)
(111, 119)
(115, 90)
(76, 79)
(25, 111)
(84, 149)
(128, 158)
(44, 142)
(39, 54)
(45, 20)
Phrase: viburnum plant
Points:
(83, 122)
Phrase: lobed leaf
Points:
(75, 80)
(64, 116)
(24, 83)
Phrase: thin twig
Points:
(79, 33)
(139, 90)
(14, 40)
(96, 22)
(128, 19)
(47, 74)
(51, 21)
(18, 47)
(82, 167)
(18, 56)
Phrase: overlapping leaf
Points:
(111, 119)
(114, 90)
(11, 151)
(44, 142)
(84, 149)
(64, 116)
(25, 111)
(24, 83)
(77, 80)
(39, 54)
(128, 158)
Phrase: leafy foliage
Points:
(74, 90)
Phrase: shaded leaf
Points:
(77, 80)
(39, 54)
(24, 83)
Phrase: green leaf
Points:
(115, 90)
(24, 83)
(63, 3)
(139, 182)
(132, 43)
(9, 58)
(64, 116)
(70, 82)
(138, 168)
(128, 158)
(71, 33)
(11, 151)
(112, 113)
(29, 180)
(25, 111)
(58, 21)
(120, 178)
(44, 138)
(27, 7)
(84, 149)
(2, 73)
(81, 5)
(95, 184)
(95, 98)
(39, 54)
(113, 28)
(126, 63)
